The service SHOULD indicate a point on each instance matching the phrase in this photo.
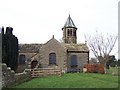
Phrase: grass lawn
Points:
(113, 71)
(73, 80)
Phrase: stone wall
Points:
(82, 59)
(10, 78)
(29, 57)
(21, 68)
(52, 46)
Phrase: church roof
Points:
(69, 23)
(29, 48)
(76, 47)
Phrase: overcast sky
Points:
(35, 21)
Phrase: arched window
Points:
(70, 32)
(74, 33)
(22, 59)
(34, 63)
(73, 60)
(52, 58)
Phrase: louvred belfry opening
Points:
(69, 31)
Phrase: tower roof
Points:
(69, 23)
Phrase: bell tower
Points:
(69, 31)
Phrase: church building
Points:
(69, 56)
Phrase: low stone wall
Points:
(10, 78)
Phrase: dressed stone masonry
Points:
(9, 77)
(67, 55)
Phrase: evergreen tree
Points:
(9, 48)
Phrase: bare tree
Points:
(101, 45)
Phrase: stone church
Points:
(68, 55)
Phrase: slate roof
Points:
(69, 23)
(34, 48)
(76, 47)
(29, 48)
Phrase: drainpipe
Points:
(88, 57)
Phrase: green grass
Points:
(113, 71)
(73, 80)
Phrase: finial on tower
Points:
(69, 13)
(69, 23)
(69, 31)
(53, 36)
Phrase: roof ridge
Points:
(69, 22)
